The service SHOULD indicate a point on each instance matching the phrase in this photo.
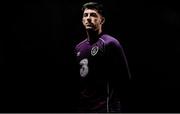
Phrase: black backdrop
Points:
(37, 60)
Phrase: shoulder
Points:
(80, 44)
(110, 41)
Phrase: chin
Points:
(90, 28)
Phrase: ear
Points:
(102, 20)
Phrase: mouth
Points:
(89, 26)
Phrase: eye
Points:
(93, 14)
(85, 14)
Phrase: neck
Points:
(93, 36)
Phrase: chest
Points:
(92, 60)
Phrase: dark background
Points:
(37, 61)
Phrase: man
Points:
(102, 67)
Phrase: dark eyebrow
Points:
(91, 14)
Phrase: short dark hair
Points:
(94, 5)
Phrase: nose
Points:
(88, 18)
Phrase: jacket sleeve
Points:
(119, 74)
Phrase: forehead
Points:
(91, 11)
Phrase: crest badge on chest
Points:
(94, 50)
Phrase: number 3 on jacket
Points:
(84, 67)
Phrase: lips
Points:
(89, 25)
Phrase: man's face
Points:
(92, 19)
